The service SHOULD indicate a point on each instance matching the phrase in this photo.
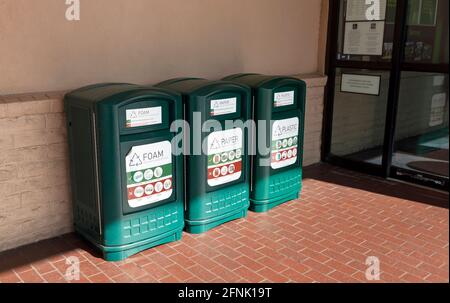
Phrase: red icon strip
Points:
(284, 155)
(149, 189)
(224, 170)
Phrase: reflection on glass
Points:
(427, 31)
(359, 119)
(422, 124)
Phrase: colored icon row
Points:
(150, 189)
(225, 170)
(228, 156)
(286, 143)
(286, 155)
(148, 174)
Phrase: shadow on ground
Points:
(339, 176)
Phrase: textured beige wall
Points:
(145, 41)
(323, 36)
(34, 177)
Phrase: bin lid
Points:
(104, 92)
(258, 80)
(199, 86)
(100, 91)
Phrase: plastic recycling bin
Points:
(279, 104)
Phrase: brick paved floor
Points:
(341, 219)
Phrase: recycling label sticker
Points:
(223, 106)
(143, 116)
(284, 142)
(283, 98)
(224, 156)
(149, 173)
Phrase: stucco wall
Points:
(146, 41)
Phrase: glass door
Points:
(421, 133)
(359, 61)
(386, 110)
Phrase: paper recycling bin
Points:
(217, 179)
(280, 103)
(127, 187)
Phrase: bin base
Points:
(261, 206)
(121, 252)
(198, 227)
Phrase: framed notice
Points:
(356, 10)
(364, 38)
(361, 84)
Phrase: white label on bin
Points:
(224, 156)
(143, 116)
(149, 173)
(284, 143)
(223, 106)
(284, 98)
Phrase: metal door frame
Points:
(395, 67)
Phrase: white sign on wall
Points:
(437, 113)
(360, 84)
(439, 80)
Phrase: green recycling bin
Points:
(217, 176)
(127, 186)
(279, 103)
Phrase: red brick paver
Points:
(341, 219)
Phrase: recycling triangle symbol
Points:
(278, 131)
(135, 160)
(215, 144)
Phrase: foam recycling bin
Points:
(217, 179)
(126, 185)
(279, 102)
